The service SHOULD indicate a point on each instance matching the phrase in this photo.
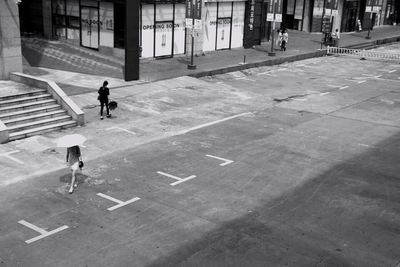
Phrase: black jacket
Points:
(104, 92)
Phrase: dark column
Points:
(132, 40)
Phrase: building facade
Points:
(10, 41)
(224, 24)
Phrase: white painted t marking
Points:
(180, 180)
(120, 203)
(43, 233)
(7, 155)
(227, 161)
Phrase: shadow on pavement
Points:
(346, 216)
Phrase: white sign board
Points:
(270, 16)
(189, 23)
(278, 17)
(197, 24)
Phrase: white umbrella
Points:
(71, 140)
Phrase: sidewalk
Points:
(152, 109)
(300, 43)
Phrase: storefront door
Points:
(90, 27)
(349, 19)
(223, 33)
(163, 39)
(260, 17)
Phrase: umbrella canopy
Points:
(71, 140)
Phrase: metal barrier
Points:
(362, 53)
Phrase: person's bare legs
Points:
(73, 184)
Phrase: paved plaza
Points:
(287, 165)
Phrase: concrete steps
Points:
(31, 113)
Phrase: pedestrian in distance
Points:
(104, 92)
(74, 159)
(285, 39)
(279, 39)
(336, 38)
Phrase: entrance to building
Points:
(163, 39)
(349, 20)
(260, 30)
(90, 27)
(223, 33)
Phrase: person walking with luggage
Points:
(104, 92)
(285, 39)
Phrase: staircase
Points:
(32, 112)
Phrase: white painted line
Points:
(226, 161)
(212, 123)
(7, 155)
(245, 78)
(326, 93)
(300, 99)
(121, 129)
(361, 81)
(120, 203)
(43, 233)
(378, 76)
(392, 71)
(180, 180)
(334, 86)
(343, 87)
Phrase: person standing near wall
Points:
(336, 38)
(285, 39)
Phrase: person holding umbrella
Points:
(104, 92)
(74, 156)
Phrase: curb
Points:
(277, 61)
(270, 62)
(373, 44)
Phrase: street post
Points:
(371, 5)
(190, 14)
(271, 17)
(132, 50)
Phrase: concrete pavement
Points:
(313, 183)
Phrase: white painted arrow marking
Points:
(121, 129)
(180, 180)
(120, 203)
(7, 155)
(227, 161)
(43, 233)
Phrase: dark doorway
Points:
(31, 17)
(349, 19)
(119, 25)
(260, 17)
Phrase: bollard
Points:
(244, 59)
